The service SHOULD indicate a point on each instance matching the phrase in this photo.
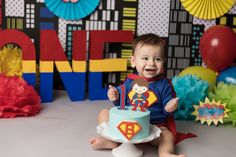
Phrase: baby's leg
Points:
(166, 144)
(100, 142)
(103, 116)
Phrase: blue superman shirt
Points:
(162, 92)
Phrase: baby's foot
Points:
(172, 155)
(102, 143)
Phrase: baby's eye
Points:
(145, 58)
(158, 59)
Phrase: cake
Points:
(126, 124)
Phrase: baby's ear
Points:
(131, 58)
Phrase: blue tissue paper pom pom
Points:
(190, 89)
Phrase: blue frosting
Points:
(117, 116)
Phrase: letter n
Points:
(52, 52)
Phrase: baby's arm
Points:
(172, 105)
(113, 94)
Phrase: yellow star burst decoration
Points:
(210, 111)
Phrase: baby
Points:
(148, 59)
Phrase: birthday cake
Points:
(128, 124)
(132, 122)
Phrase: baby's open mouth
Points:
(150, 70)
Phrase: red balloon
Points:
(218, 47)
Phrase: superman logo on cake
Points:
(129, 128)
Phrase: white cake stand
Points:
(127, 148)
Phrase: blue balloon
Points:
(228, 76)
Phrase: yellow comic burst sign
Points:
(210, 111)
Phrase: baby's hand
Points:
(112, 93)
(172, 105)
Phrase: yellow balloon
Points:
(202, 72)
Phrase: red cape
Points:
(178, 136)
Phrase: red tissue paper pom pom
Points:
(17, 98)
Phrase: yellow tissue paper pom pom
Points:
(11, 61)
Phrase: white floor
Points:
(63, 129)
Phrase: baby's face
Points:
(148, 60)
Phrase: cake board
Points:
(127, 148)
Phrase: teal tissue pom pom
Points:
(190, 89)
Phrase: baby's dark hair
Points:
(148, 39)
(140, 82)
